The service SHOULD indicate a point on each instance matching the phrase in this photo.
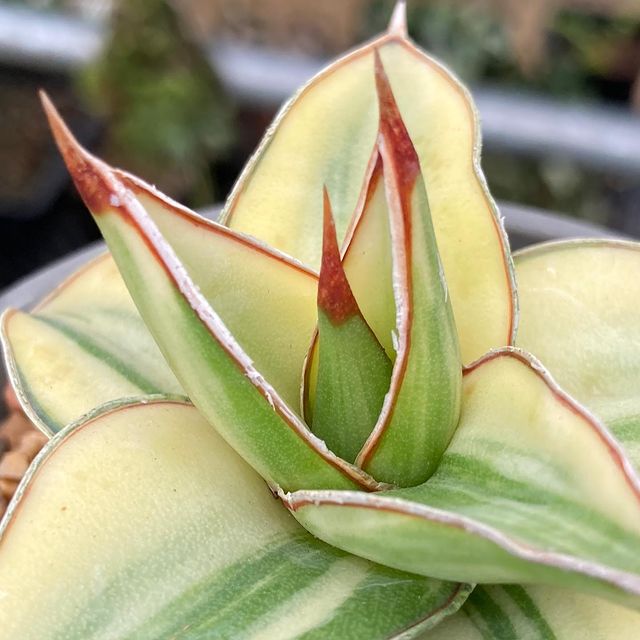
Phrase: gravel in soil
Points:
(20, 442)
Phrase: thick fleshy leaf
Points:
(579, 309)
(83, 346)
(141, 522)
(276, 200)
(217, 374)
(353, 369)
(532, 489)
(265, 299)
(421, 409)
(514, 612)
(368, 261)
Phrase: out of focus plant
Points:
(163, 103)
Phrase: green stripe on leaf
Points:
(531, 489)
(157, 529)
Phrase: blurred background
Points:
(181, 91)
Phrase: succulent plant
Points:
(355, 348)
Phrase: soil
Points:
(20, 442)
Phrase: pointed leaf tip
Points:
(92, 184)
(398, 21)
(335, 297)
(393, 131)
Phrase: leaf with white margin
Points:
(579, 310)
(324, 136)
(266, 299)
(421, 409)
(532, 489)
(514, 612)
(217, 374)
(353, 370)
(156, 528)
(84, 345)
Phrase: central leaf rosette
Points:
(380, 391)
(350, 337)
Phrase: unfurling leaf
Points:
(353, 369)
(421, 410)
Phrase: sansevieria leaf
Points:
(276, 199)
(265, 299)
(141, 522)
(514, 612)
(409, 437)
(580, 316)
(81, 347)
(218, 375)
(532, 489)
(368, 261)
(353, 369)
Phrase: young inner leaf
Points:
(353, 368)
(421, 410)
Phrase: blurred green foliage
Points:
(167, 115)
(471, 37)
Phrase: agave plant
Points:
(316, 418)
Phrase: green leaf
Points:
(275, 198)
(514, 612)
(579, 315)
(81, 347)
(218, 375)
(421, 409)
(353, 369)
(140, 522)
(532, 489)
(265, 299)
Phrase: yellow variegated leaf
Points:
(141, 522)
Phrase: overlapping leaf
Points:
(513, 612)
(276, 198)
(353, 370)
(140, 522)
(83, 346)
(532, 489)
(217, 373)
(580, 316)
(410, 436)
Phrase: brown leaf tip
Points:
(85, 170)
(392, 128)
(335, 297)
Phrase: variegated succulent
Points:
(358, 349)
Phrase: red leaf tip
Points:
(84, 168)
(392, 128)
(335, 297)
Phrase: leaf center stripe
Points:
(88, 344)
(488, 617)
(530, 610)
(228, 603)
